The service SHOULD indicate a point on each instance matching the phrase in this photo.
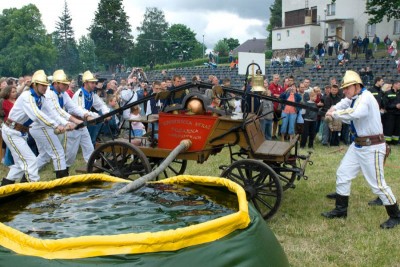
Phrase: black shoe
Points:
(6, 182)
(390, 223)
(23, 179)
(332, 195)
(394, 217)
(62, 173)
(340, 211)
(375, 202)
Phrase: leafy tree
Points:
(232, 43)
(198, 51)
(182, 43)
(275, 20)
(24, 44)
(151, 45)
(87, 55)
(68, 56)
(111, 33)
(377, 9)
(222, 48)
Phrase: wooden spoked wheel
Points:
(261, 183)
(119, 159)
(177, 167)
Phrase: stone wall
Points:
(281, 53)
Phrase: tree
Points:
(24, 44)
(222, 48)
(378, 9)
(111, 33)
(232, 43)
(87, 55)
(275, 20)
(151, 41)
(182, 43)
(64, 40)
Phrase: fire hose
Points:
(140, 182)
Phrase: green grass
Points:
(309, 239)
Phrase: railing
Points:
(334, 37)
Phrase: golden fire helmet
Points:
(350, 78)
(40, 77)
(59, 76)
(88, 77)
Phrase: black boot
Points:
(375, 202)
(23, 179)
(6, 182)
(342, 202)
(62, 173)
(394, 217)
(332, 195)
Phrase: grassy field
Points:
(309, 239)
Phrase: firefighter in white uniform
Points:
(48, 143)
(26, 110)
(366, 153)
(85, 98)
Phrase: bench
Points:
(269, 150)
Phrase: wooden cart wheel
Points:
(260, 182)
(119, 159)
(285, 175)
(177, 167)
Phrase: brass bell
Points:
(258, 82)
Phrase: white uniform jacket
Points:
(364, 113)
(69, 108)
(25, 109)
(98, 103)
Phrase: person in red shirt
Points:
(276, 91)
(10, 95)
(289, 81)
(71, 89)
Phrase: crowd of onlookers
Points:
(279, 122)
(344, 51)
(288, 61)
(309, 123)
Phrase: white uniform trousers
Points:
(368, 159)
(74, 139)
(24, 159)
(49, 147)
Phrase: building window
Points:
(370, 30)
(396, 27)
(331, 11)
(287, 33)
(278, 36)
